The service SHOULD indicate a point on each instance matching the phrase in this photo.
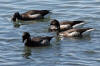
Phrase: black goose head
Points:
(26, 36)
(54, 25)
(16, 16)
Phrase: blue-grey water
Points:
(65, 52)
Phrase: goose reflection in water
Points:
(27, 52)
(32, 51)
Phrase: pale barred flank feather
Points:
(73, 34)
(45, 41)
(78, 25)
(35, 16)
(61, 34)
(65, 26)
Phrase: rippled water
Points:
(66, 52)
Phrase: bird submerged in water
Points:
(55, 25)
(30, 15)
(35, 41)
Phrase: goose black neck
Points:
(28, 42)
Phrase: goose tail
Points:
(88, 30)
(79, 25)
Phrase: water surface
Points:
(66, 52)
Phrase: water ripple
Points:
(65, 52)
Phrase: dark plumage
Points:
(75, 32)
(35, 41)
(30, 15)
(65, 25)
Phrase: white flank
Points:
(73, 33)
(35, 16)
(45, 42)
(61, 34)
(88, 31)
(78, 25)
(69, 34)
(65, 26)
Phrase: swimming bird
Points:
(30, 15)
(35, 41)
(65, 25)
(76, 32)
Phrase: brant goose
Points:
(65, 25)
(75, 32)
(35, 41)
(30, 15)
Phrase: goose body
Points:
(75, 32)
(35, 41)
(65, 25)
(30, 15)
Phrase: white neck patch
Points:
(53, 27)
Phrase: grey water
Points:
(65, 52)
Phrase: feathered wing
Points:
(79, 25)
(76, 32)
(32, 12)
(71, 24)
(42, 40)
